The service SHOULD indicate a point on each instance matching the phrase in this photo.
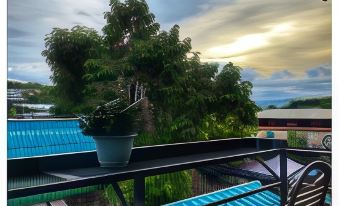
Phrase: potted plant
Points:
(113, 128)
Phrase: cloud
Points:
(269, 90)
(285, 74)
(268, 35)
(36, 18)
(320, 71)
(30, 20)
(285, 85)
(82, 13)
(33, 72)
(170, 12)
(249, 74)
(16, 33)
(21, 43)
(16, 80)
(249, 42)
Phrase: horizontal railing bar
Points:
(230, 199)
(207, 142)
(308, 149)
(107, 178)
(51, 119)
(19, 166)
(309, 152)
(142, 148)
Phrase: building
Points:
(315, 125)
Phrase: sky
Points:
(283, 46)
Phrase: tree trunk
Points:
(147, 118)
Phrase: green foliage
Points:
(322, 103)
(21, 85)
(126, 188)
(191, 101)
(39, 96)
(166, 188)
(12, 112)
(66, 52)
(271, 107)
(159, 190)
(188, 95)
(112, 118)
(297, 139)
(127, 21)
(213, 129)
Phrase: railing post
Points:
(257, 144)
(119, 193)
(283, 177)
(139, 191)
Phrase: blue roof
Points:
(28, 138)
(264, 198)
(260, 199)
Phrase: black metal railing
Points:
(82, 169)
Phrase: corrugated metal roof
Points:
(52, 196)
(260, 199)
(296, 114)
(28, 138)
(32, 180)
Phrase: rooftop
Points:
(295, 114)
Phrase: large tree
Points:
(189, 99)
(66, 52)
(186, 93)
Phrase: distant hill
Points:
(275, 102)
(33, 93)
(308, 103)
(12, 84)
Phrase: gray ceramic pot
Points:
(114, 151)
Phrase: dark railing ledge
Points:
(147, 161)
(32, 165)
(132, 171)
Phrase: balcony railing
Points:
(75, 170)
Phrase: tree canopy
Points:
(189, 100)
(185, 99)
(66, 53)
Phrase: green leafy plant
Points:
(113, 118)
(297, 139)
(12, 112)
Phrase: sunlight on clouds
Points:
(230, 59)
(268, 35)
(242, 44)
(250, 42)
(281, 29)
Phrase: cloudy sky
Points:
(284, 46)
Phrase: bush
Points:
(297, 139)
